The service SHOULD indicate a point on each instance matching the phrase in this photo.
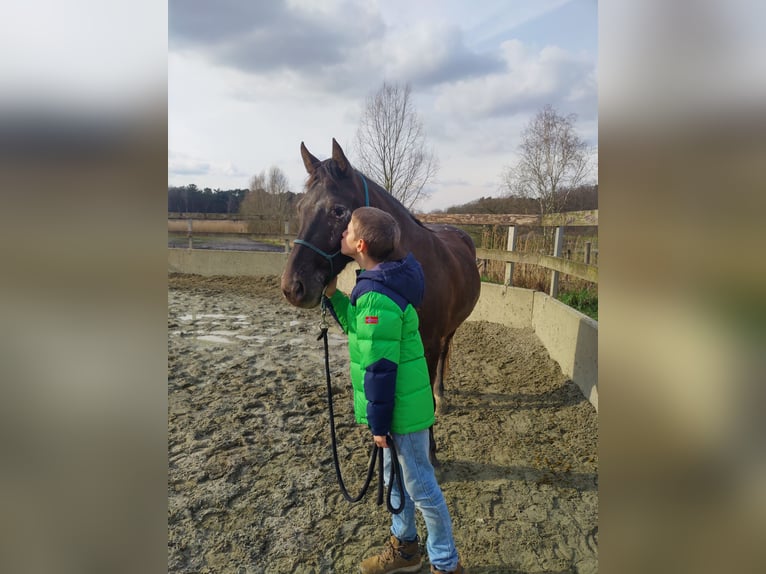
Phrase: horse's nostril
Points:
(293, 292)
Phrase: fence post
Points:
(511, 246)
(558, 243)
(287, 232)
(587, 253)
(189, 232)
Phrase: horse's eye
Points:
(339, 211)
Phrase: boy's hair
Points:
(378, 229)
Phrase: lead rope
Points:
(377, 452)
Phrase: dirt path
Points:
(251, 486)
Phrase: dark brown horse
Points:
(447, 254)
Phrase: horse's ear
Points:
(339, 157)
(309, 160)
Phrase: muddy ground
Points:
(251, 485)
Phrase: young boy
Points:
(392, 388)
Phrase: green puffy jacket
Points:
(389, 374)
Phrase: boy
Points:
(392, 388)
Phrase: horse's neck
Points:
(404, 218)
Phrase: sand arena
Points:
(251, 486)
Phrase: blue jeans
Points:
(421, 491)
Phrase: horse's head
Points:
(333, 191)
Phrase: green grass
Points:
(490, 279)
(584, 300)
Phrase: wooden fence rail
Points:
(555, 262)
(569, 219)
(574, 268)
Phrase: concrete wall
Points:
(509, 306)
(218, 262)
(347, 278)
(208, 225)
(570, 337)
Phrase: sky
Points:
(249, 81)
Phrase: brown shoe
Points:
(397, 556)
(458, 570)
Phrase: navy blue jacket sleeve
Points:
(379, 388)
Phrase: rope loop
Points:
(376, 454)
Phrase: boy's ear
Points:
(362, 246)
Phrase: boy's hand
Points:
(330, 289)
(381, 441)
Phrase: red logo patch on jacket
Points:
(371, 320)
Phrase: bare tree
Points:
(270, 200)
(274, 183)
(553, 161)
(391, 145)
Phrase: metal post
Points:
(287, 232)
(558, 243)
(511, 246)
(189, 232)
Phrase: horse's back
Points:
(460, 248)
(452, 264)
(454, 236)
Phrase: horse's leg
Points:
(438, 385)
(432, 360)
(442, 369)
(432, 448)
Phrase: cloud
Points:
(186, 165)
(566, 81)
(267, 37)
(340, 48)
(429, 55)
(202, 23)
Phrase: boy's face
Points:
(350, 244)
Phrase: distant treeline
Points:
(583, 198)
(191, 199)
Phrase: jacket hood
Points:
(404, 277)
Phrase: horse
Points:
(446, 254)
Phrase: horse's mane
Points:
(328, 169)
